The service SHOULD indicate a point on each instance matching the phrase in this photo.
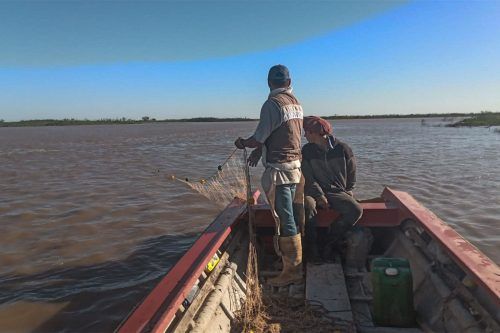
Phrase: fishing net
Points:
(252, 307)
(231, 180)
(228, 182)
(287, 314)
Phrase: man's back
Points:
(284, 141)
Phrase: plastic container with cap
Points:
(392, 292)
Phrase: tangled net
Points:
(231, 180)
(252, 307)
(228, 182)
(285, 314)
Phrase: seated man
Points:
(329, 170)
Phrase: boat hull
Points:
(450, 275)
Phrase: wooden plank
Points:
(325, 286)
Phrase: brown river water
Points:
(90, 221)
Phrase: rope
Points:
(253, 303)
(250, 200)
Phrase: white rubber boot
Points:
(291, 247)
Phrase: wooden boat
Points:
(455, 287)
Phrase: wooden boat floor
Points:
(344, 296)
(326, 287)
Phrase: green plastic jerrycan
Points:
(392, 292)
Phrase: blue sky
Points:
(212, 60)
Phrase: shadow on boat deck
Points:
(98, 296)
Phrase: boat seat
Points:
(375, 214)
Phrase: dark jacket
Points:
(333, 170)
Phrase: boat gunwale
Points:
(168, 294)
(474, 262)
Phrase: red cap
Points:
(317, 125)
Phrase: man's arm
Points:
(254, 157)
(312, 187)
(351, 170)
(268, 122)
(251, 142)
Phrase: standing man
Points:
(329, 170)
(278, 139)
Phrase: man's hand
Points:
(310, 203)
(239, 143)
(322, 202)
(254, 157)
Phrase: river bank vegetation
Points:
(481, 119)
(106, 121)
(484, 118)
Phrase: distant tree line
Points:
(109, 121)
(208, 119)
(485, 118)
(413, 115)
(67, 122)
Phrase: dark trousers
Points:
(349, 209)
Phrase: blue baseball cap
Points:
(278, 73)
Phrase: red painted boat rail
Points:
(375, 214)
(158, 309)
(481, 268)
